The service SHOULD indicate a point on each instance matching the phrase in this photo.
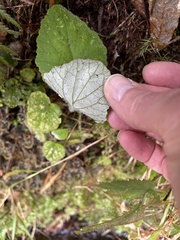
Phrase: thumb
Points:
(140, 107)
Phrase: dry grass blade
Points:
(164, 19)
(52, 179)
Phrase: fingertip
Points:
(150, 71)
(116, 86)
(107, 83)
(116, 122)
(164, 74)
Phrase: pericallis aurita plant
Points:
(72, 60)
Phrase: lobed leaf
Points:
(42, 115)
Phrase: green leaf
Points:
(79, 136)
(7, 17)
(6, 58)
(14, 91)
(27, 74)
(23, 227)
(63, 37)
(176, 226)
(104, 160)
(135, 214)
(53, 151)
(14, 226)
(11, 97)
(42, 115)
(7, 30)
(5, 49)
(154, 236)
(3, 61)
(60, 134)
(129, 189)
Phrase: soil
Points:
(122, 29)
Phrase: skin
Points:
(147, 110)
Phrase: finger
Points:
(116, 122)
(141, 108)
(144, 150)
(119, 124)
(165, 74)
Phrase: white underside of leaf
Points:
(80, 83)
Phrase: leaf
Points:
(22, 226)
(11, 97)
(42, 115)
(78, 136)
(7, 17)
(176, 226)
(135, 214)
(14, 91)
(5, 49)
(14, 226)
(80, 83)
(129, 189)
(53, 151)
(27, 74)
(103, 160)
(7, 59)
(63, 37)
(155, 235)
(164, 19)
(60, 134)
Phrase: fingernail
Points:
(117, 85)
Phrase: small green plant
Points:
(5, 52)
(75, 67)
(67, 38)
(17, 89)
(147, 47)
(144, 204)
(26, 211)
(42, 118)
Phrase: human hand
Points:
(152, 109)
